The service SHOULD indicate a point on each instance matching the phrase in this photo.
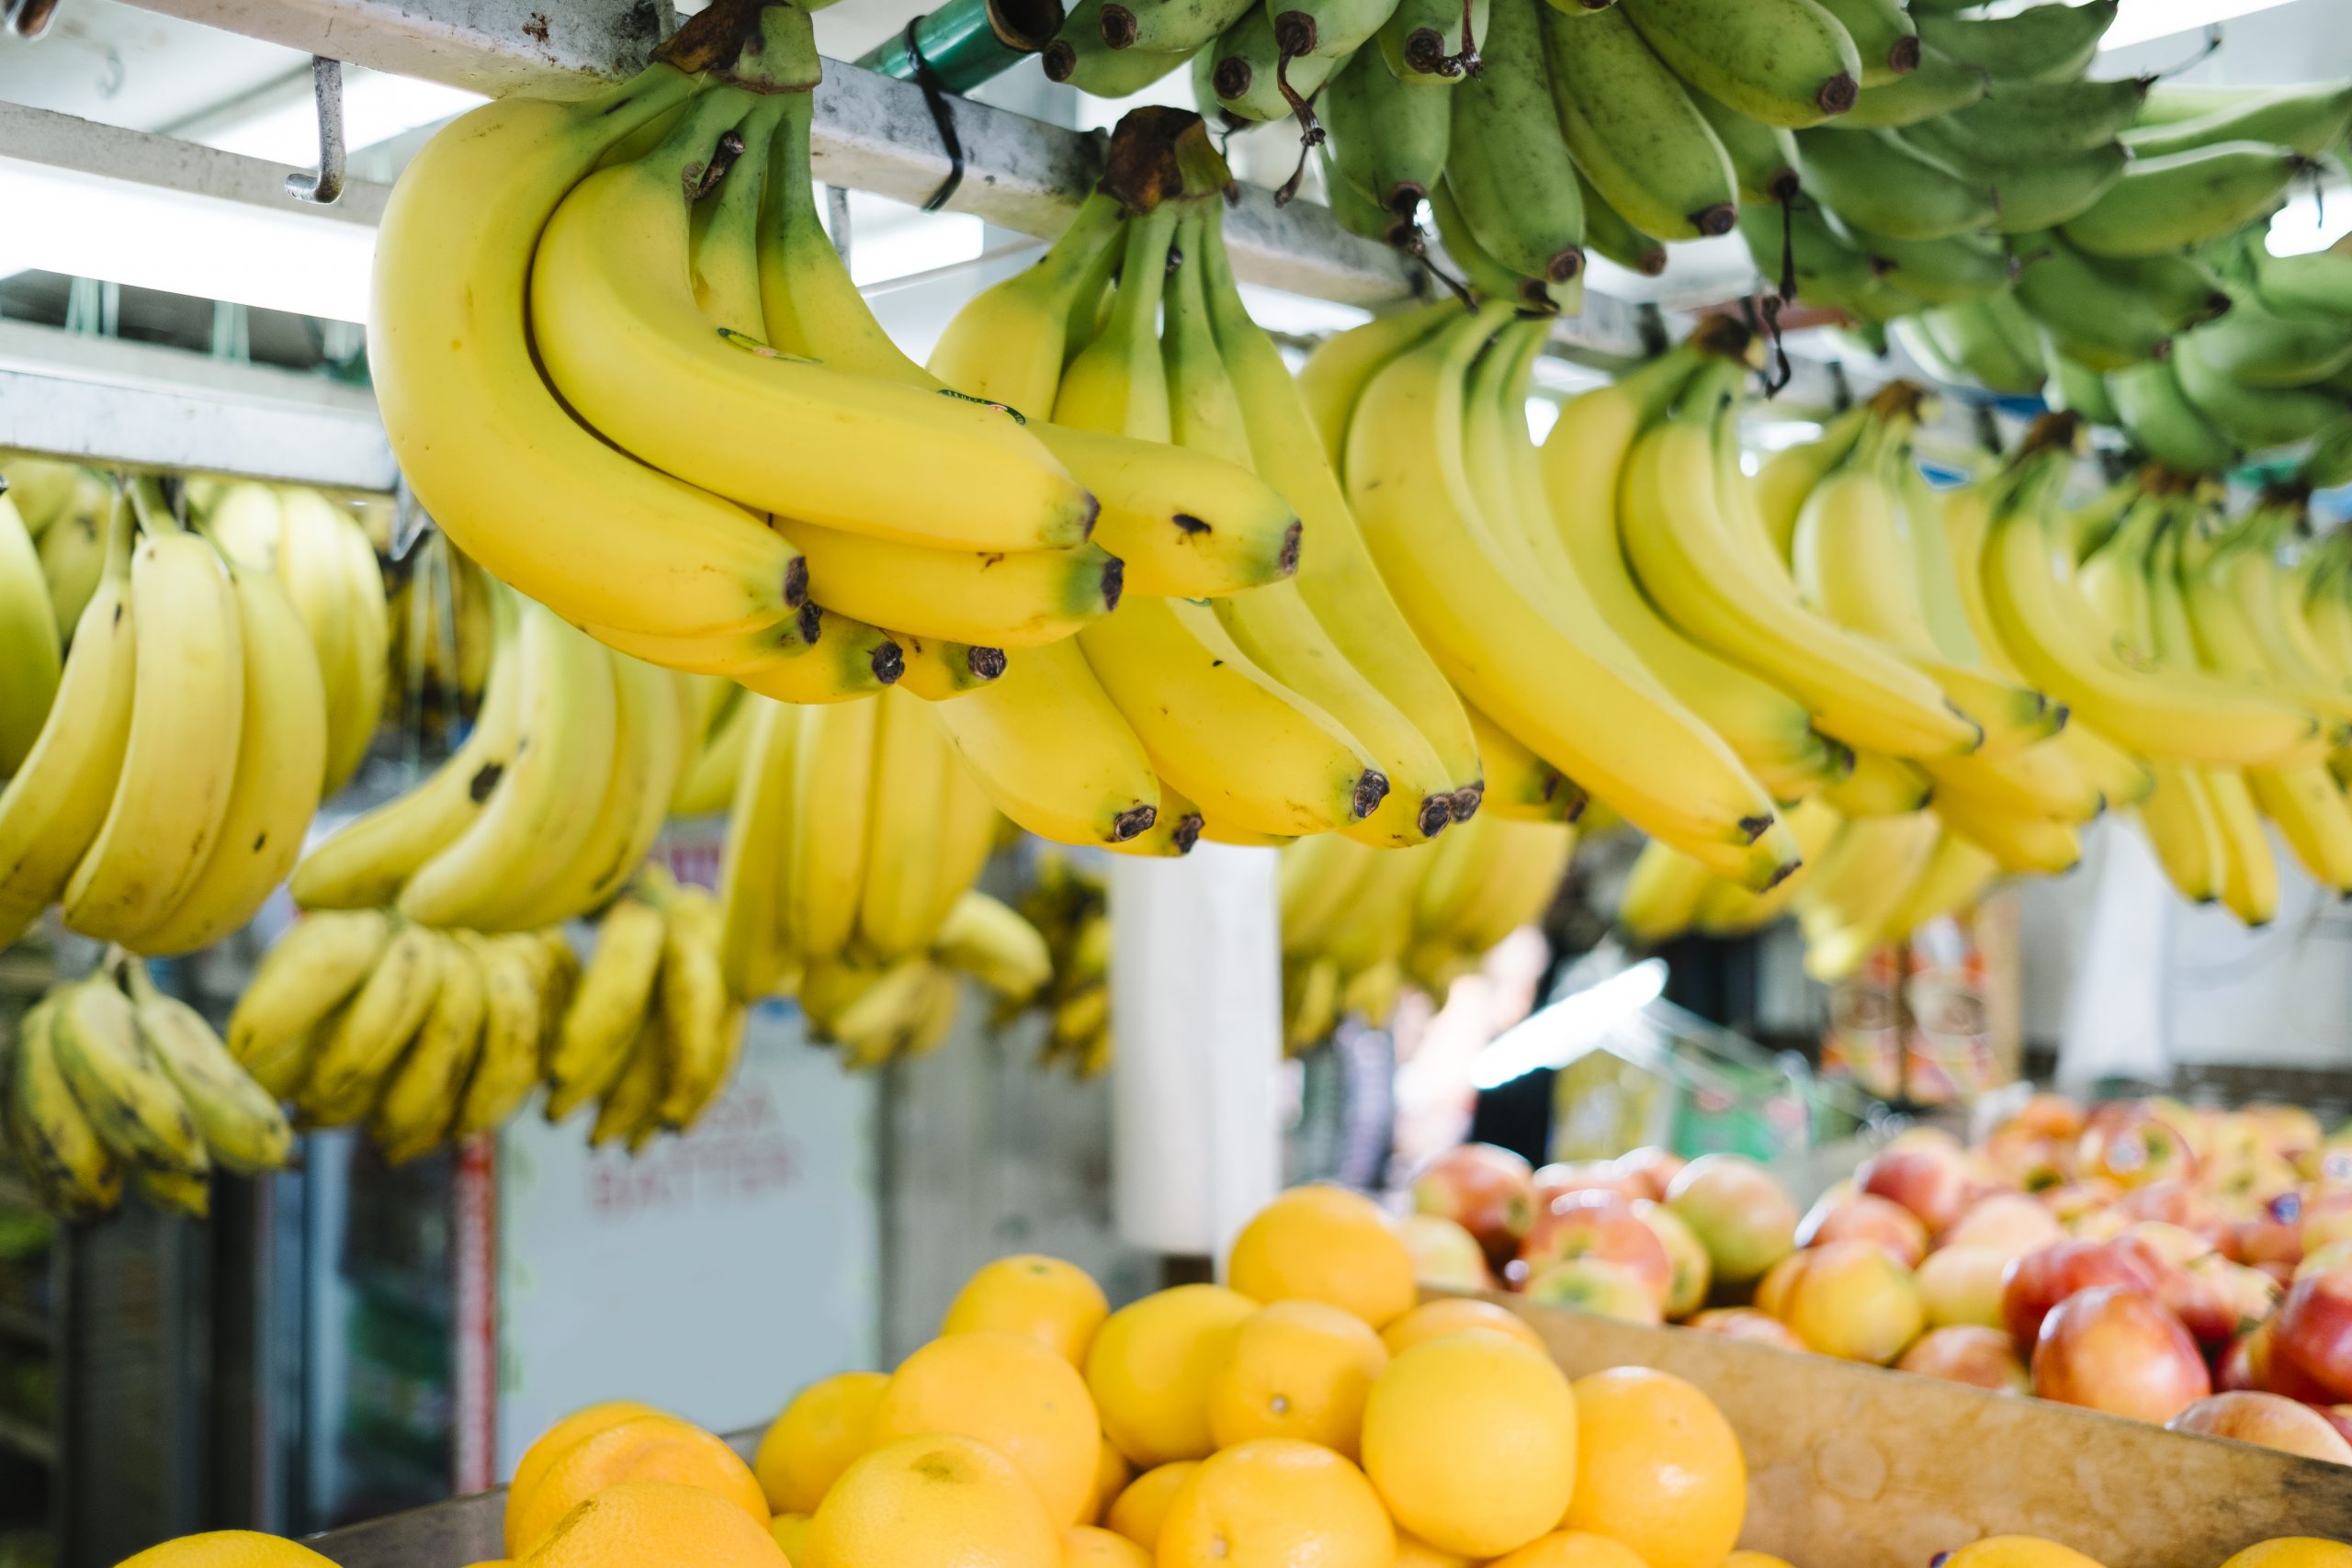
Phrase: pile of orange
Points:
(1307, 1414)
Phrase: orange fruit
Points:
(1139, 1512)
(937, 1499)
(1151, 1365)
(790, 1532)
(1572, 1549)
(1297, 1370)
(2032, 1551)
(1451, 1314)
(827, 1425)
(542, 1453)
(1086, 1547)
(1044, 1299)
(1658, 1467)
(1111, 1474)
(1274, 1503)
(1325, 1244)
(657, 1524)
(1014, 1395)
(1471, 1439)
(2285, 1551)
(1415, 1553)
(643, 1448)
(228, 1549)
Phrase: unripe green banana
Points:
(1631, 127)
(2092, 318)
(2318, 284)
(2311, 119)
(1763, 157)
(1388, 139)
(1247, 73)
(2160, 420)
(1992, 339)
(1327, 29)
(2041, 43)
(1875, 179)
(2040, 193)
(1607, 233)
(2183, 290)
(1953, 271)
(2263, 348)
(1827, 270)
(1079, 56)
(1783, 61)
(1884, 35)
(1483, 271)
(1509, 167)
(2251, 418)
(1356, 211)
(1940, 86)
(1165, 26)
(1426, 43)
(2018, 122)
(2173, 203)
(2074, 387)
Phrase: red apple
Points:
(1963, 1285)
(1584, 1175)
(2274, 1373)
(1867, 1218)
(2131, 1145)
(2008, 1222)
(2115, 1348)
(1746, 1322)
(2173, 1202)
(2264, 1239)
(1597, 1224)
(1652, 1167)
(2235, 1368)
(1854, 1301)
(1686, 1290)
(2338, 1416)
(1928, 1180)
(2041, 1279)
(1967, 1353)
(1597, 1286)
(2312, 1332)
(2266, 1419)
(2217, 1299)
(1444, 1254)
(1487, 1191)
(1738, 1211)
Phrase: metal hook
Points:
(30, 18)
(325, 187)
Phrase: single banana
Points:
(1885, 37)
(990, 941)
(1004, 599)
(31, 640)
(825, 854)
(1661, 896)
(1786, 62)
(364, 1040)
(615, 992)
(1881, 785)
(1890, 187)
(938, 671)
(1634, 130)
(755, 951)
(55, 1143)
(311, 971)
(904, 825)
(518, 980)
(701, 1025)
(419, 1102)
(1050, 749)
(631, 1109)
(2185, 198)
(243, 1128)
(1520, 785)
(1508, 170)
(1387, 142)
(1940, 86)
(74, 550)
(2181, 826)
(2041, 43)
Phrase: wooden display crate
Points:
(1848, 1467)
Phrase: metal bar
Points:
(82, 146)
(106, 401)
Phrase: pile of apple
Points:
(2176, 1264)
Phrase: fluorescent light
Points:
(2141, 20)
(2298, 230)
(1558, 1035)
(119, 231)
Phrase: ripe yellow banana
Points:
(55, 1143)
(518, 981)
(755, 951)
(1520, 785)
(419, 1102)
(938, 671)
(825, 854)
(707, 783)
(990, 941)
(701, 1025)
(1727, 909)
(364, 1039)
(243, 1128)
(2179, 821)
(132, 1102)
(615, 992)
(30, 638)
(905, 824)
(1050, 749)
(1661, 896)
(994, 598)
(180, 761)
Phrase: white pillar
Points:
(1196, 1012)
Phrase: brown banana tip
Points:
(1565, 265)
(1286, 559)
(1114, 583)
(1436, 812)
(889, 662)
(1468, 799)
(1424, 51)
(1405, 198)
(1780, 873)
(1230, 76)
(1839, 94)
(984, 664)
(2217, 305)
(1754, 827)
(1786, 185)
(1720, 219)
(796, 582)
(1134, 819)
(1060, 58)
(1653, 261)
(1901, 58)
(2215, 898)
(1187, 833)
(811, 622)
(1372, 788)
(1295, 33)
(1118, 27)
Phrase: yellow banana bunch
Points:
(443, 629)
(545, 810)
(104, 1085)
(320, 551)
(172, 780)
